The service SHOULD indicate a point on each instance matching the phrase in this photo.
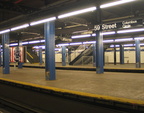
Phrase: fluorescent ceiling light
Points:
(115, 45)
(5, 31)
(42, 40)
(14, 44)
(43, 21)
(108, 41)
(109, 33)
(93, 34)
(130, 30)
(20, 27)
(23, 43)
(128, 45)
(77, 12)
(81, 36)
(78, 43)
(34, 42)
(90, 42)
(63, 44)
(124, 39)
(139, 38)
(115, 3)
(142, 44)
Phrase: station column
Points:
(69, 55)
(0, 56)
(49, 32)
(63, 56)
(99, 45)
(121, 54)
(137, 49)
(115, 54)
(40, 56)
(20, 64)
(94, 55)
(6, 53)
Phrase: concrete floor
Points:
(123, 85)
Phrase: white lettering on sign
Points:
(130, 22)
(97, 27)
(112, 26)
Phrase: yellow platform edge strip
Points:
(123, 100)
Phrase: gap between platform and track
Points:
(115, 101)
(127, 70)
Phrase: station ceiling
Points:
(15, 12)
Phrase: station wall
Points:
(129, 55)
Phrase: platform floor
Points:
(122, 85)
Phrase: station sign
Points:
(123, 24)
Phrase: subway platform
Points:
(111, 85)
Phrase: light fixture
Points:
(20, 27)
(42, 40)
(77, 12)
(43, 21)
(81, 36)
(105, 41)
(109, 33)
(66, 44)
(114, 46)
(139, 38)
(127, 45)
(115, 3)
(34, 42)
(123, 40)
(130, 30)
(77, 43)
(24, 43)
(93, 34)
(4, 31)
(14, 44)
(90, 42)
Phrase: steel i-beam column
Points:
(137, 49)
(121, 54)
(20, 64)
(114, 54)
(94, 55)
(63, 56)
(0, 56)
(6, 53)
(99, 45)
(69, 55)
(49, 32)
(40, 56)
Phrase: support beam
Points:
(20, 64)
(115, 54)
(94, 55)
(63, 56)
(69, 55)
(40, 56)
(49, 32)
(137, 50)
(121, 54)
(99, 45)
(6, 53)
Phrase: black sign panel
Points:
(123, 24)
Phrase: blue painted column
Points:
(40, 56)
(137, 49)
(99, 44)
(49, 32)
(115, 54)
(20, 64)
(121, 54)
(63, 56)
(6, 53)
(94, 55)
